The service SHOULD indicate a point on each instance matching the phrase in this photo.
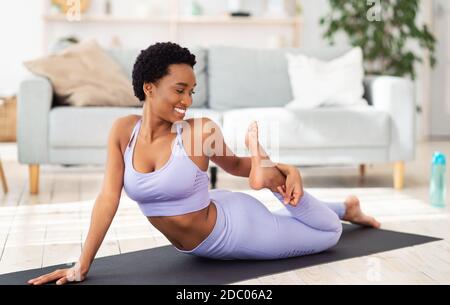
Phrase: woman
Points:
(171, 186)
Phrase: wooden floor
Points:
(49, 228)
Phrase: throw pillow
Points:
(85, 75)
(316, 83)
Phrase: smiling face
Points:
(171, 95)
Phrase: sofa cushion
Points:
(343, 75)
(127, 57)
(245, 77)
(89, 126)
(326, 127)
(84, 126)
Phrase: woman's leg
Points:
(310, 227)
(349, 210)
(246, 229)
(287, 210)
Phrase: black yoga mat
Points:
(165, 265)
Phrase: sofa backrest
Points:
(234, 77)
(246, 77)
(127, 57)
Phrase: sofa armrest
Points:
(395, 95)
(34, 102)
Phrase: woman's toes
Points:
(368, 221)
(251, 140)
(253, 131)
(374, 223)
(251, 135)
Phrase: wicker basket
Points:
(8, 115)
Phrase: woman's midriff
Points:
(187, 231)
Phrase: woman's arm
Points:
(287, 169)
(105, 208)
(107, 202)
(278, 177)
(293, 188)
(219, 152)
(273, 175)
(103, 212)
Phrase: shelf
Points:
(239, 20)
(229, 20)
(106, 18)
(173, 23)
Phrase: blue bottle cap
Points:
(438, 158)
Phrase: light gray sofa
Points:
(234, 87)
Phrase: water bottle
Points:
(437, 180)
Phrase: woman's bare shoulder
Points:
(123, 127)
(201, 129)
(205, 123)
(128, 120)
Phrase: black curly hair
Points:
(152, 64)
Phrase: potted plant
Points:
(387, 32)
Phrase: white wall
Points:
(21, 32)
(20, 38)
(312, 32)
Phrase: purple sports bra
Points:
(179, 187)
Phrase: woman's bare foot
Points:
(354, 214)
(263, 172)
(251, 139)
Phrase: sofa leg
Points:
(362, 171)
(34, 178)
(3, 178)
(213, 173)
(399, 173)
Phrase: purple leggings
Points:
(246, 229)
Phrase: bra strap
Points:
(134, 132)
(179, 129)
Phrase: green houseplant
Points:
(386, 31)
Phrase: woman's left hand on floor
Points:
(61, 276)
